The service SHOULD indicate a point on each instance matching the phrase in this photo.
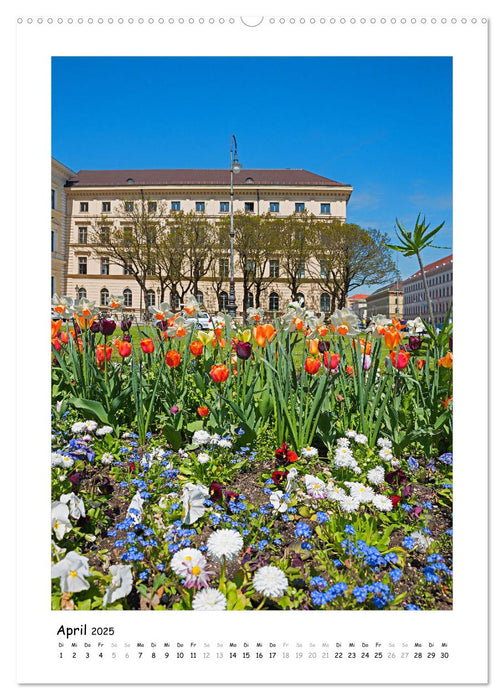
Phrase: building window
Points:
(175, 206)
(224, 207)
(300, 272)
(273, 301)
(84, 206)
(151, 297)
(324, 270)
(82, 234)
(250, 300)
(301, 299)
(128, 270)
(152, 207)
(128, 206)
(223, 301)
(105, 234)
(325, 302)
(299, 207)
(274, 207)
(150, 268)
(105, 207)
(200, 206)
(82, 266)
(53, 241)
(274, 268)
(223, 267)
(249, 206)
(199, 297)
(104, 297)
(81, 294)
(128, 297)
(53, 199)
(325, 208)
(104, 266)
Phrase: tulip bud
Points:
(107, 326)
(125, 325)
(174, 410)
(94, 327)
(126, 337)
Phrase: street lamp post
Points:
(235, 168)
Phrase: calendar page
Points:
(251, 403)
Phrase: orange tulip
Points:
(365, 345)
(313, 346)
(55, 326)
(322, 331)
(397, 324)
(63, 336)
(219, 373)
(399, 359)
(123, 347)
(100, 353)
(420, 364)
(203, 411)
(85, 321)
(147, 345)
(349, 370)
(172, 358)
(263, 333)
(56, 344)
(392, 338)
(312, 365)
(446, 361)
(196, 348)
(446, 402)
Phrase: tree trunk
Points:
(426, 288)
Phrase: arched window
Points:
(325, 302)
(128, 297)
(104, 297)
(174, 301)
(273, 301)
(250, 300)
(300, 298)
(81, 294)
(223, 301)
(151, 297)
(199, 297)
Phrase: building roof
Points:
(432, 266)
(388, 288)
(358, 297)
(118, 178)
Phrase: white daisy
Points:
(343, 442)
(335, 493)
(107, 458)
(382, 502)
(78, 427)
(384, 442)
(270, 581)
(224, 543)
(376, 476)
(315, 487)
(386, 454)
(361, 438)
(309, 452)
(56, 459)
(225, 443)
(343, 457)
(364, 494)
(395, 463)
(91, 425)
(66, 461)
(185, 558)
(203, 458)
(351, 434)
(209, 599)
(349, 504)
(201, 437)
(104, 430)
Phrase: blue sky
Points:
(383, 125)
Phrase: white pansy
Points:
(193, 498)
(135, 508)
(201, 437)
(209, 599)
(60, 522)
(224, 543)
(270, 581)
(381, 502)
(291, 480)
(422, 542)
(75, 505)
(278, 501)
(72, 571)
(120, 585)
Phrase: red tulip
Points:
(203, 411)
(172, 358)
(312, 365)
(147, 345)
(219, 373)
(399, 359)
(196, 348)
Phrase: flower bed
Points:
(270, 466)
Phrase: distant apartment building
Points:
(60, 174)
(358, 304)
(387, 300)
(93, 195)
(439, 276)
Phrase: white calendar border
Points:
(469, 157)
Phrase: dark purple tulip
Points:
(126, 337)
(95, 327)
(107, 326)
(414, 342)
(243, 350)
(324, 346)
(450, 343)
(125, 325)
(162, 324)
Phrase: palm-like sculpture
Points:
(413, 244)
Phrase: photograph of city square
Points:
(251, 333)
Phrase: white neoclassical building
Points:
(94, 194)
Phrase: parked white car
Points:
(202, 320)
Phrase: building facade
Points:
(60, 175)
(387, 300)
(358, 304)
(93, 196)
(439, 275)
